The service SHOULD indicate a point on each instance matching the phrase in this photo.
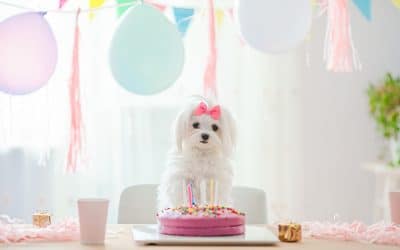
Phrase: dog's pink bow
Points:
(214, 112)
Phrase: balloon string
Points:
(45, 151)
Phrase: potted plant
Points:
(384, 103)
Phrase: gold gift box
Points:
(290, 232)
(41, 219)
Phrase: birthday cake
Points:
(201, 221)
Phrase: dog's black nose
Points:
(205, 136)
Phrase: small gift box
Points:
(41, 219)
(289, 232)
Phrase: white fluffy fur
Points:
(191, 160)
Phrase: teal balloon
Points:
(146, 51)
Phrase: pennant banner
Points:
(183, 16)
(365, 7)
(94, 4)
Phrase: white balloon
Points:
(274, 25)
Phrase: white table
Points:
(122, 240)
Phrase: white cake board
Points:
(255, 235)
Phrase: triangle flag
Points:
(122, 9)
(94, 4)
(365, 7)
(219, 17)
(183, 16)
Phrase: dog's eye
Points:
(214, 127)
(196, 125)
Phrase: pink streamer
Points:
(339, 52)
(210, 75)
(379, 233)
(75, 155)
(65, 230)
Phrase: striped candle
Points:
(211, 191)
(190, 194)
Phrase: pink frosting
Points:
(201, 221)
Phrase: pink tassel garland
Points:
(210, 75)
(75, 155)
(339, 52)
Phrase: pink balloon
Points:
(28, 53)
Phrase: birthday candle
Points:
(211, 191)
(193, 196)
(190, 194)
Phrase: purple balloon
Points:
(28, 53)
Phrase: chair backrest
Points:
(251, 201)
(138, 204)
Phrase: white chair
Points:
(138, 203)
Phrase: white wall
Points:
(338, 134)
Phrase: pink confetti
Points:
(65, 230)
(379, 233)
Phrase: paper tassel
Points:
(365, 7)
(210, 75)
(396, 3)
(94, 4)
(61, 3)
(75, 149)
(122, 9)
(339, 52)
(183, 16)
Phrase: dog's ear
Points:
(228, 132)
(180, 128)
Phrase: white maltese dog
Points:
(205, 140)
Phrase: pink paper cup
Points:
(394, 201)
(92, 220)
